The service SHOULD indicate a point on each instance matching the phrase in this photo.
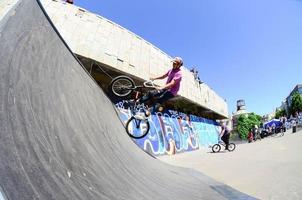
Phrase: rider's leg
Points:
(150, 95)
(227, 141)
(225, 138)
(160, 99)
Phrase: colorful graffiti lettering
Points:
(174, 132)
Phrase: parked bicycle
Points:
(137, 125)
(279, 132)
(217, 147)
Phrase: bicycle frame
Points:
(145, 85)
(137, 126)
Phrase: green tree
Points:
(242, 126)
(247, 122)
(296, 104)
(280, 113)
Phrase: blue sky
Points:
(243, 49)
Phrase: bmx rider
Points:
(225, 135)
(169, 90)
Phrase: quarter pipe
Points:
(60, 136)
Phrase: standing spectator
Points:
(69, 1)
(196, 76)
(283, 120)
(299, 118)
(254, 131)
(250, 136)
(294, 125)
(269, 130)
(273, 128)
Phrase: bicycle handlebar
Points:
(149, 84)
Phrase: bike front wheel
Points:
(137, 128)
(232, 147)
(216, 148)
(122, 86)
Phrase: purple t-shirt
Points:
(176, 76)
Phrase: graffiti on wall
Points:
(173, 132)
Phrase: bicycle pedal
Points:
(140, 117)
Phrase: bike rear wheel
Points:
(232, 147)
(216, 148)
(280, 134)
(137, 128)
(122, 86)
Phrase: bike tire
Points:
(137, 128)
(280, 134)
(121, 86)
(216, 148)
(232, 147)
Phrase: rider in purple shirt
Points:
(168, 91)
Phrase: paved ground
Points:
(266, 169)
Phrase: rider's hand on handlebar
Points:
(152, 79)
(159, 88)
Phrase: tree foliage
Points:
(247, 122)
(296, 103)
(280, 113)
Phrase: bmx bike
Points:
(278, 133)
(217, 147)
(137, 126)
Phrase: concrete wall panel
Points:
(95, 37)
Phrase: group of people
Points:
(292, 122)
(254, 134)
(196, 75)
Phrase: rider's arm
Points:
(169, 85)
(221, 132)
(176, 79)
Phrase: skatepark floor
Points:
(266, 169)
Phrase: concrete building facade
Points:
(101, 42)
(288, 101)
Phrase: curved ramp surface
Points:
(60, 137)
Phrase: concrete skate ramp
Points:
(60, 136)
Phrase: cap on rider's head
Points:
(178, 60)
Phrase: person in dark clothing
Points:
(69, 1)
(283, 120)
(225, 135)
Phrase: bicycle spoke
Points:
(122, 87)
(137, 128)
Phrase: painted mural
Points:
(173, 132)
